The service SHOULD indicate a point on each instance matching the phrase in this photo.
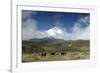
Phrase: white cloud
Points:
(81, 33)
(29, 26)
(85, 34)
(30, 30)
(78, 32)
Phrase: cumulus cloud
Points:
(30, 30)
(79, 32)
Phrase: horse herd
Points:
(52, 54)
(73, 54)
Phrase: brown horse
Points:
(43, 55)
(52, 54)
(63, 53)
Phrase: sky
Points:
(40, 24)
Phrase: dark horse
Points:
(43, 55)
(63, 53)
(52, 54)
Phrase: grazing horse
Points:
(43, 55)
(63, 53)
(52, 54)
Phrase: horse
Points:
(63, 53)
(43, 55)
(52, 54)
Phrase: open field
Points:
(36, 50)
(48, 57)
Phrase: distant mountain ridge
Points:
(46, 40)
(53, 41)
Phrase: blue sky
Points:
(44, 20)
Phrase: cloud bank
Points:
(30, 30)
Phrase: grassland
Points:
(37, 50)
